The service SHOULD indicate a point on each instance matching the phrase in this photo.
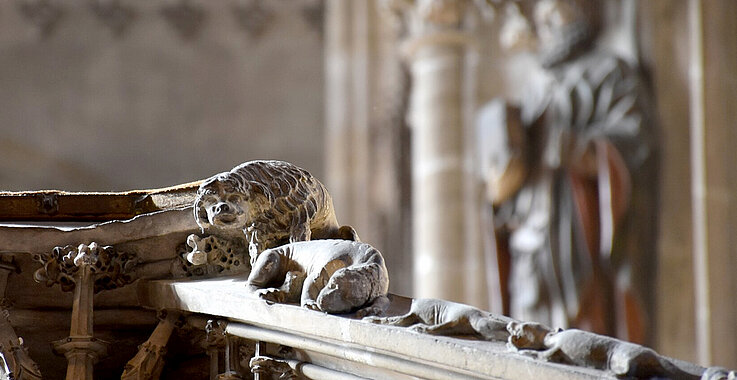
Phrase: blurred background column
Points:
(439, 52)
(367, 138)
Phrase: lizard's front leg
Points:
(310, 289)
(292, 287)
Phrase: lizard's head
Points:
(344, 292)
(527, 335)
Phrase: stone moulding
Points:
(384, 351)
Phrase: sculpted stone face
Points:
(268, 203)
(224, 209)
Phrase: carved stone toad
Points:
(271, 202)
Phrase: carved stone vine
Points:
(111, 269)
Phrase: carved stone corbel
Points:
(149, 361)
(84, 269)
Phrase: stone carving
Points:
(586, 349)
(149, 361)
(113, 13)
(719, 373)
(14, 358)
(269, 203)
(253, 17)
(44, 14)
(583, 170)
(440, 317)
(185, 16)
(111, 268)
(274, 368)
(212, 255)
(84, 269)
(336, 276)
(47, 203)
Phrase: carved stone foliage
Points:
(115, 14)
(334, 276)
(185, 16)
(44, 14)
(111, 269)
(253, 16)
(211, 255)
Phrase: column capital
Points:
(110, 269)
(432, 23)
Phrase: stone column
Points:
(78, 269)
(81, 349)
(447, 252)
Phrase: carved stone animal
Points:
(439, 317)
(586, 349)
(334, 276)
(271, 202)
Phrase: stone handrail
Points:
(348, 345)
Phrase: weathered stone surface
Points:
(267, 203)
(399, 350)
(334, 276)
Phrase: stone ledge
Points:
(394, 348)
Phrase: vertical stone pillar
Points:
(447, 252)
(81, 349)
(78, 269)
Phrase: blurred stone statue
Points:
(564, 172)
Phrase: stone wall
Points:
(83, 107)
